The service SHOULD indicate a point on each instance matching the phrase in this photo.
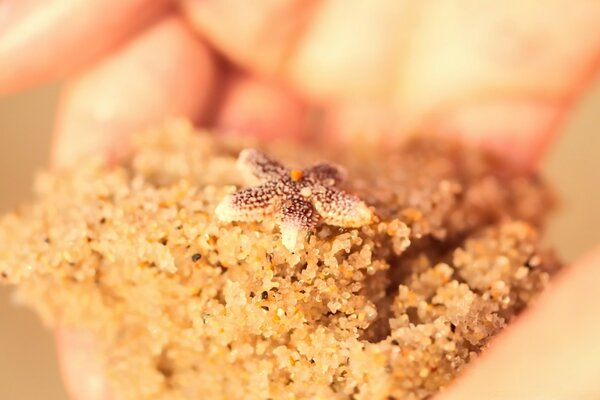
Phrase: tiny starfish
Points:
(297, 199)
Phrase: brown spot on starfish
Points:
(297, 199)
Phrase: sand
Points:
(185, 306)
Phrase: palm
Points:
(503, 74)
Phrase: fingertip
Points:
(80, 365)
(163, 73)
(254, 106)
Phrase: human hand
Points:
(501, 74)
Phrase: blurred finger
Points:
(257, 35)
(259, 107)
(80, 366)
(165, 72)
(518, 129)
(41, 40)
(552, 352)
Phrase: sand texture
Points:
(185, 306)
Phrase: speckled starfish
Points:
(298, 199)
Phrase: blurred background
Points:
(28, 368)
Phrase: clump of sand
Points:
(186, 307)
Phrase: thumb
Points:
(80, 366)
(552, 352)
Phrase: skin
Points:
(502, 75)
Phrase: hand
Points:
(500, 74)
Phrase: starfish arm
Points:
(326, 174)
(250, 204)
(340, 208)
(297, 216)
(256, 165)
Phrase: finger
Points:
(41, 40)
(552, 352)
(262, 108)
(258, 35)
(520, 129)
(80, 366)
(165, 72)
